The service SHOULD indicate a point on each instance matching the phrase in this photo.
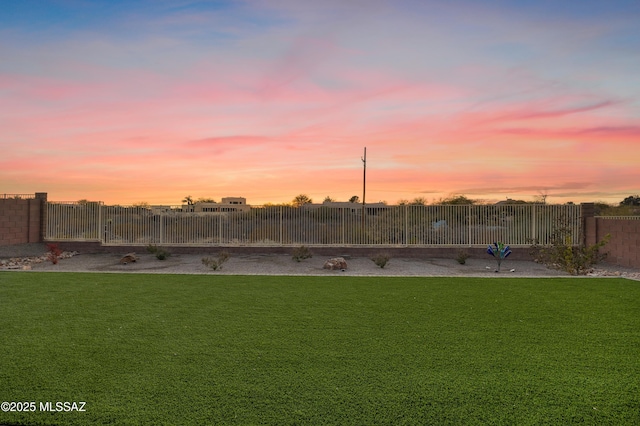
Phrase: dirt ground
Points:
(285, 265)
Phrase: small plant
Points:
(216, 263)
(160, 253)
(53, 253)
(462, 256)
(381, 259)
(301, 253)
(499, 251)
(562, 254)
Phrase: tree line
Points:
(628, 206)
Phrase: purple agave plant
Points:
(499, 251)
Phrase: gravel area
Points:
(284, 265)
(33, 257)
(18, 250)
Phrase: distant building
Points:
(234, 200)
(161, 209)
(226, 205)
(354, 208)
(239, 204)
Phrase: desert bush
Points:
(562, 254)
(215, 263)
(53, 253)
(301, 253)
(159, 252)
(462, 256)
(381, 259)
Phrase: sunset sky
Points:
(150, 101)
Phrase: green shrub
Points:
(462, 256)
(381, 259)
(215, 263)
(562, 254)
(160, 253)
(301, 253)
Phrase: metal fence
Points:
(619, 217)
(17, 196)
(390, 226)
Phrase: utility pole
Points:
(364, 182)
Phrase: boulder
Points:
(335, 263)
(128, 258)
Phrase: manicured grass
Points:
(204, 349)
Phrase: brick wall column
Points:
(42, 197)
(588, 223)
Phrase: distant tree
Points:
(418, 201)
(456, 200)
(354, 199)
(188, 199)
(512, 201)
(631, 200)
(541, 198)
(603, 209)
(600, 208)
(301, 200)
(403, 202)
(86, 202)
(142, 204)
(276, 204)
(205, 200)
(328, 199)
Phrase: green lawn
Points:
(213, 349)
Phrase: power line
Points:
(364, 181)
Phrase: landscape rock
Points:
(128, 258)
(24, 263)
(612, 273)
(335, 264)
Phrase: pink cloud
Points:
(285, 112)
(226, 141)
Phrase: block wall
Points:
(22, 220)
(624, 247)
